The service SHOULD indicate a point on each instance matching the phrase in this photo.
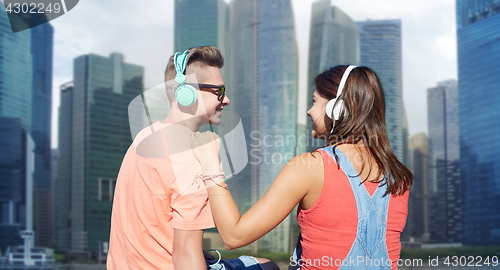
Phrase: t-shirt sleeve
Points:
(189, 201)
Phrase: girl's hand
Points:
(206, 148)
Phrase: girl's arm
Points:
(290, 186)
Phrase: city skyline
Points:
(428, 30)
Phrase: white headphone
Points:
(330, 109)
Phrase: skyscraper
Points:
(381, 51)
(16, 72)
(444, 170)
(94, 118)
(417, 224)
(62, 181)
(333, 40)
(41, 108)
(16, 172)
(41, 113)
(54, 163)
(199, 23)
(262, 67)
(406, 144)
(478, 40)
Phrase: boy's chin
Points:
(215, 120)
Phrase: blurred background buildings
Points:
(443, 164)
(381, 50)
(333, 40)
(262, 67)
(25, 113)
(93, 138)
(478, 40)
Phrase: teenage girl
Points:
(352, 193)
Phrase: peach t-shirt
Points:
(154, 194)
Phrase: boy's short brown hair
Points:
(197, 60)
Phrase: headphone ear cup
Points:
(334, 112)
(186, 95)
(338, 109)
(329, 108)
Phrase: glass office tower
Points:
(16, 78)
(41, 113)
(417, 224)
(62, 181)
(16, 71)
(94, 116)
(444, 164)
(262, 67)
(478, 39)
(16, 173)
(41, 109)
(381, 51)
(333, 40)
(199, 23)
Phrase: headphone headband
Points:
(184, 94)
(332, 111)
(180, 66)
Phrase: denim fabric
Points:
(242, 263)
(369, 250)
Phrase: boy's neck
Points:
(177, 117)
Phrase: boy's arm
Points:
(187, 252)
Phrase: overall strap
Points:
(372, 212)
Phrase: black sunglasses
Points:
(220, 92)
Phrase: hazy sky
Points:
(143, 32)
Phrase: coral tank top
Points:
(328, 228)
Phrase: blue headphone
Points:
(184, 94)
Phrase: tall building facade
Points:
(62, 177)
(41, 115)
(16, 72)
(444, 163)
(333, 40)
(200, 23)
(478, 40)
(417, 224)
(41, 45)
(94, 118)
(381, 51)
(16, 170)
(16, 77)
(54, 165)
(406, 143)
(262, 67)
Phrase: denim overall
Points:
(369, 249)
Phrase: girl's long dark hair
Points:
(363, 120)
